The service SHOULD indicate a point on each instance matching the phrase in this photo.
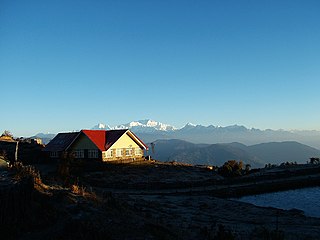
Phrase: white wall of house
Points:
(124, 148)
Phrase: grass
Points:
(82, 191)
(32, 172)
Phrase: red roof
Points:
(98, 137)
(103, 139)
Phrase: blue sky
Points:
(68, 65)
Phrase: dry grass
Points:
(39, 185)
(31, 172)
(76, 189)
(82, 191)
(27, 171)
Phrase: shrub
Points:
(231, 168)
(223, 233)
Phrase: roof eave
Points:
(73, 141)
(137, 139)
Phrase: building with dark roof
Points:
(105, 145)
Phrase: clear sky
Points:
(68, 65)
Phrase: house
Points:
(105, 145)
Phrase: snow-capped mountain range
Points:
(149, 126)
(144, 126)
(150, 130)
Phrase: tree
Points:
(7, 133)
(314, 160)
(247, 168)
(231, 168)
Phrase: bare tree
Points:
(314, 160)
(7, 133)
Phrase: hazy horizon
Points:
(69, 65)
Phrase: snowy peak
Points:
(144, 126)
(101, 126)
(190, 125)
(151, 126)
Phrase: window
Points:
(79, 154)
(54, 154)
(93, 154)
(137, 151)
(108, 154)
(128, 151)
(119, 152)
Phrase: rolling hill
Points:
(204, 154)
(278, 152)
(216, 154)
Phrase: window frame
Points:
(109, 153)
(138, 152)
(78, 153)
(119, 152)
(93, 153)
(129, 152)
(54, 154)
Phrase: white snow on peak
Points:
(190, 124)
(101, 126)
(139, 126)
(147, 126)
(135, 124)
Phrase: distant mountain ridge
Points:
(216, 154)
